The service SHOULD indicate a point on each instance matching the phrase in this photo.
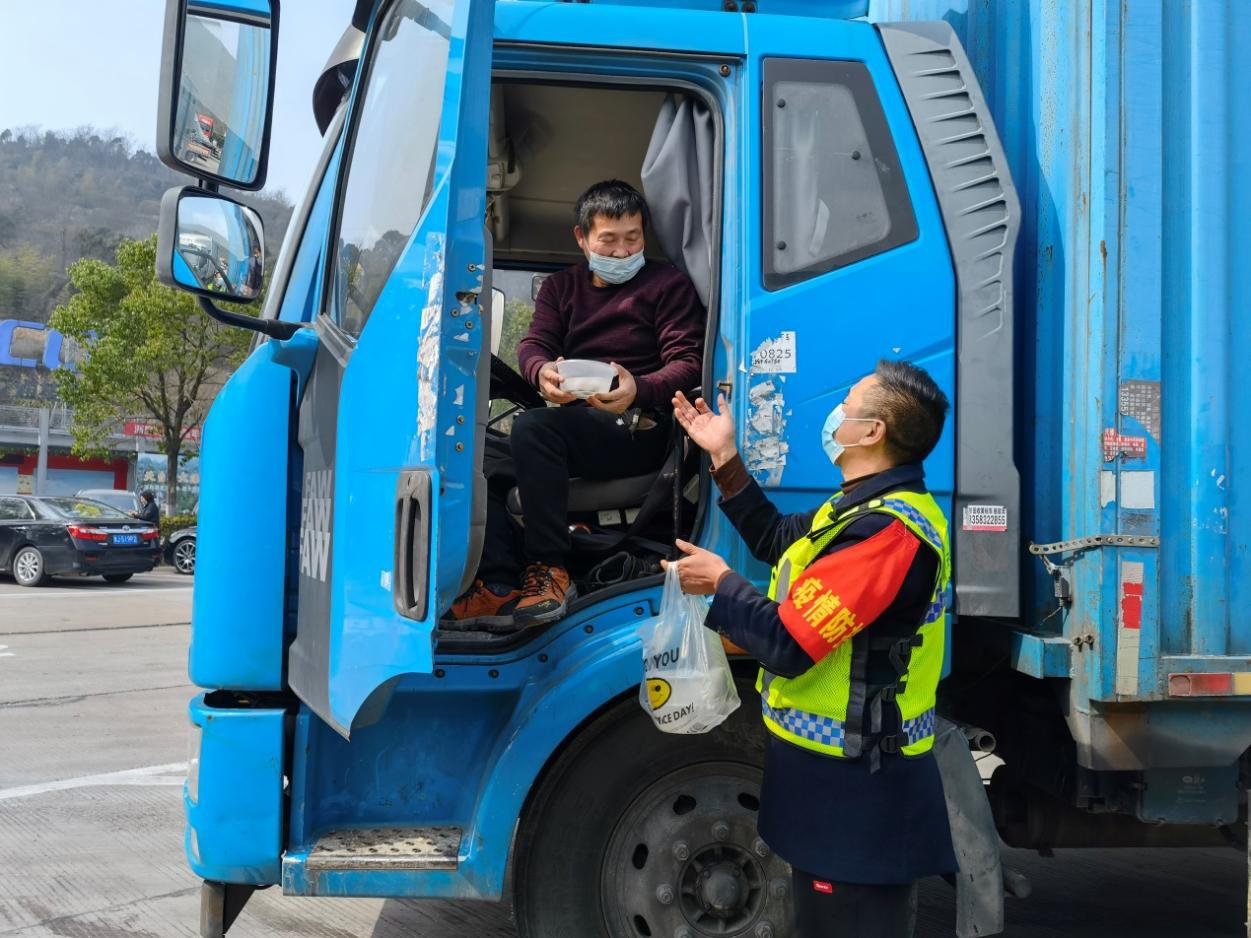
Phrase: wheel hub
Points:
(681, 861)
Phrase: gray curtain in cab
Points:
(678, 181)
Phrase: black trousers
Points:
(847, 910)
(547, 447)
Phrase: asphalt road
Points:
(93, 733)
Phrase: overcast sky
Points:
(66, 63)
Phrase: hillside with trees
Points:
(71, 195)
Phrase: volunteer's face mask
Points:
(616, 269)
(829, 441)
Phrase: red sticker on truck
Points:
(1118, 444)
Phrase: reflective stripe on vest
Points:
(815, 709)
(828, 731)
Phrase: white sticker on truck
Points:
(1129, 627)
(775, 356)
(985, 518)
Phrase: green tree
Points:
(149, 352)
(517, 316)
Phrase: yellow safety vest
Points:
(823, 708)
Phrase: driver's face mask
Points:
(616, 270)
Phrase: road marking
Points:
(173, 773)
(6, 654)
(93, 594)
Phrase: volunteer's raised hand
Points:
(699, 571)
(712, 431)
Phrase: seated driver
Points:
(642, 317)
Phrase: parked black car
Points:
(44, 536)
(180, 550)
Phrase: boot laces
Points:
(538, 580)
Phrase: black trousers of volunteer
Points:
(847, 910)
(548, 447)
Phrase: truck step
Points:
(387, 848)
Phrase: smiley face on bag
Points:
(658, 692)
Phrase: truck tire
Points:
(635, 833)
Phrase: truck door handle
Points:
(410, 576)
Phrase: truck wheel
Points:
(28, 567)
(635, 833)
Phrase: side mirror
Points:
(217, 85)
(497, 319)
(210, 245)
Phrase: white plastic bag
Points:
(687, 685)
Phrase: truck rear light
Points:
(1223, 684)
(82, 533)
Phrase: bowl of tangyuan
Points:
(584, 377)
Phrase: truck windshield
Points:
(391, 168)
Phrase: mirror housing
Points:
(217, 86)
(497, 319)
(210, 245)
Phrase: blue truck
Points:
(1046, 205)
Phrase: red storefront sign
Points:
(152, 431)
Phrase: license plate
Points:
(125, 540)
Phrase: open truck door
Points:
(392, 415)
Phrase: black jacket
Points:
(150, 512)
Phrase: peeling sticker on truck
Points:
(1107, 487)
(1141, 400)
(1129, 627)
(427, 375)
(764, 450)
(1118, 444)
(428, 352)
(1138, 489)
(775, 356)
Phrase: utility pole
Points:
(41, 464)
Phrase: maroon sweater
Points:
(652, 326)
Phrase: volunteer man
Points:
(850, 638)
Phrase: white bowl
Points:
(584, 377)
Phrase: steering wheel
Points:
(507, 385)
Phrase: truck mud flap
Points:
(979, 884)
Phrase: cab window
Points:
(834, 192)
(390, 164)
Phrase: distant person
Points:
(149, 510)
(255, 266)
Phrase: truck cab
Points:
(836, 191)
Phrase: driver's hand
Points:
(550, 380)
(619, 399)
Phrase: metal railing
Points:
(23, 417)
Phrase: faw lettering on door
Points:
(315, 523)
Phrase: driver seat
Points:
(633, 500)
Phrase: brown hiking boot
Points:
(545, 595)
(482, 606)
